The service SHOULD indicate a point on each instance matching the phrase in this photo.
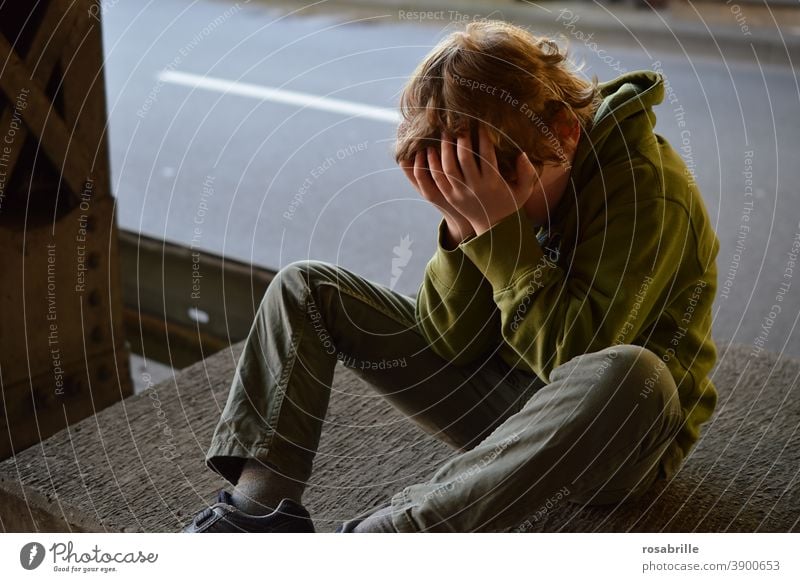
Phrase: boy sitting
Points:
(561, 338)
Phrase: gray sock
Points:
(249, 505)
(261, 488)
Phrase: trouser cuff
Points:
(227, 458)
(401, 513)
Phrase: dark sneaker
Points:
(223, 517)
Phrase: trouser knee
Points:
(625, 377)
(640, 376)
(293, 283)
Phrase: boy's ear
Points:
(567, 127)
(574, 131)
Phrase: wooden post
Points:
(63, 355)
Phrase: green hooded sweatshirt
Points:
(627, 258)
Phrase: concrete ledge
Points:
(138, 465)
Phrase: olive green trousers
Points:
(591, 434)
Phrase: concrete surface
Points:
(140, 466)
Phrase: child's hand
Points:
(419, 175)
(479, 193)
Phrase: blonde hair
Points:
(521, 86)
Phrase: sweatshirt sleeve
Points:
(605, 293)
(454, 306)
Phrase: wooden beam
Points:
(67, 155)
(43, 55)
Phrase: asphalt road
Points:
(270, 173)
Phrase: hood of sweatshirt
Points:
(621, 128)
(627, 103)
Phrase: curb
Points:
(651, 30)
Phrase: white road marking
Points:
(280, 96)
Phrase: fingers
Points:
(437, 172)
(408, 169)
(526, 173)
(487, 153)
(427, 175)
(450, 161)
(425, 184)
(466, 159)
(427, 180)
